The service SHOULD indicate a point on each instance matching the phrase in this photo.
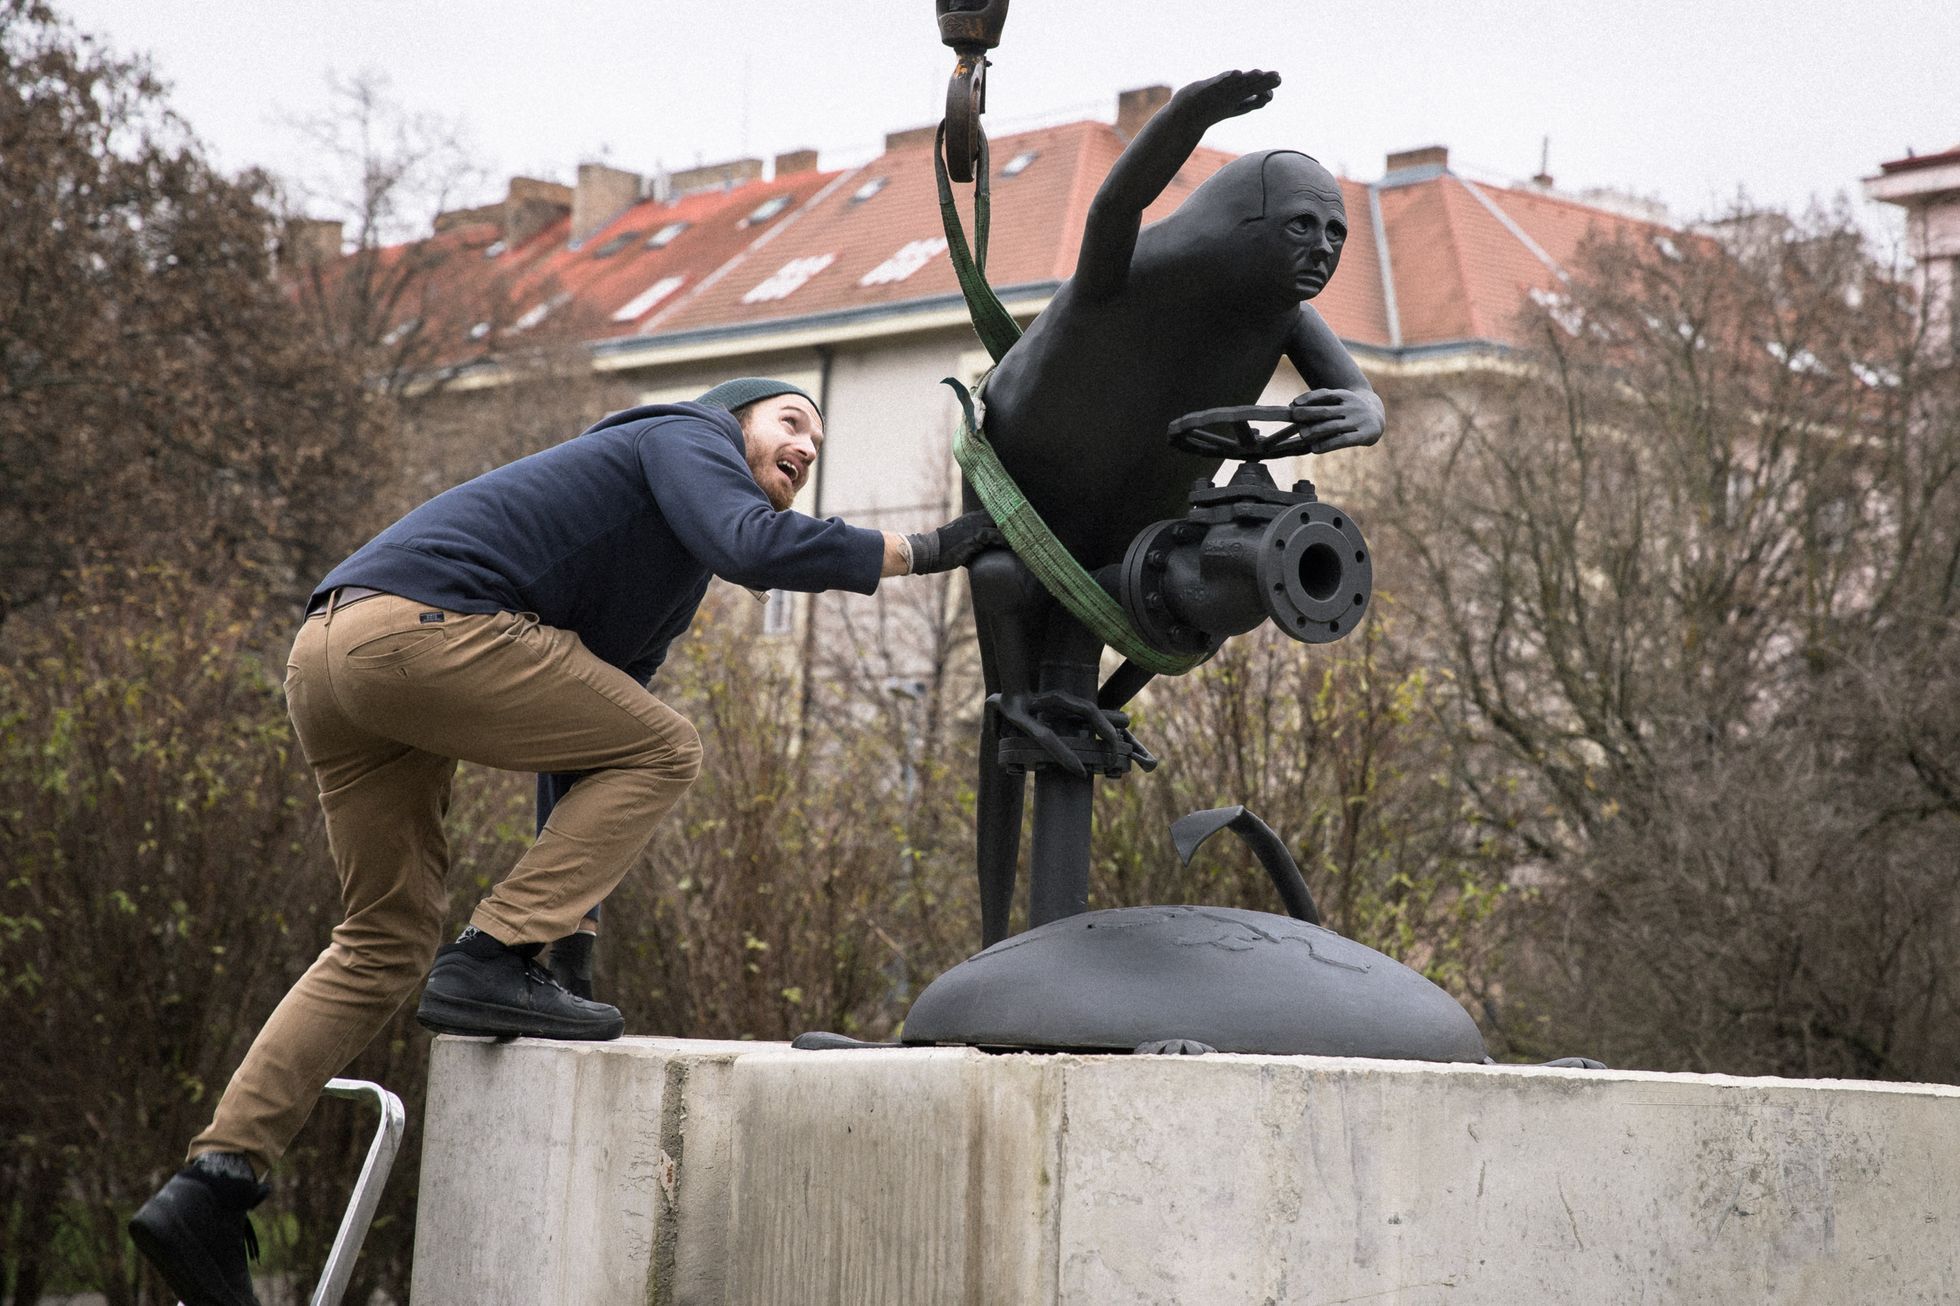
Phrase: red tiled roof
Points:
(1463, 257)
(1913, 162)
(1461, 271)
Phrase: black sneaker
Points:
(508, 995)
(571, 963)
(196, 1234)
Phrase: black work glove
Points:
(955, 543)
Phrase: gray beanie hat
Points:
(744, 390)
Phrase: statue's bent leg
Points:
(1006, 603)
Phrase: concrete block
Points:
(575, 1173)
(894, 1178)
(948, 1176)
(668, 1172)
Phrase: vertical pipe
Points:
(1059, 875)
(1058, 863)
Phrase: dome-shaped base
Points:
(1240, 981)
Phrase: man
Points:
(513, 621)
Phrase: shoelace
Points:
(537, 974)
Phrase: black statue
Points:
(1111, 415)
(1191, 313)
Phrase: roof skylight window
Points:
(538, 312)
(494, 248)
(789, 278)
(766, 210)
(480, 330)
(1017, 165)
(910, 257)
(665, 236)
(641, 304)
(617, 243)
(870, 188)
(401, 331)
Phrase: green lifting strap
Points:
(1029, 536)
(1046, 556)
(995, 325)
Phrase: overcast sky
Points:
(1684, 101)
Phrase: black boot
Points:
(571, 962)
(196, 1234)
(479, 986)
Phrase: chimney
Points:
(788, 165)
(312, 241)
(602, 194)
(464, 217)
(726, 176)
(910, 138)
(1436, 157)
(1137, 107)
(530, 206)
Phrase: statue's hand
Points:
(1227, 95)
(1338, 419)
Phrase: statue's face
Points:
(1305, 223)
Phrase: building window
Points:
(788, 278)
(766, 210)
(617, 243)
(665, 236)
(911, 256)
(870, 188)
(641, 304)
(1017, 165)
(778, 613)
(538, 312)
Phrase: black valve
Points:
(1246, 552)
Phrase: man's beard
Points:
(780, 497)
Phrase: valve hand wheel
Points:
(1228, 433)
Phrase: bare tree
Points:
(158, 396)
(1693, 571)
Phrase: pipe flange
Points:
(1145, 570)
(1315, 572)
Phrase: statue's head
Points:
(1280, 220)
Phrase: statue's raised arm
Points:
(1147, 166)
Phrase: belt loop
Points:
(332, 600)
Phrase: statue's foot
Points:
(1042, 717)
(1173, 1047)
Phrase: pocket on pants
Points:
(395, 649)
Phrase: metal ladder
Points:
(367, 1188)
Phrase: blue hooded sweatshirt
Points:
(613, 536)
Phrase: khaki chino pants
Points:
(386, 695)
